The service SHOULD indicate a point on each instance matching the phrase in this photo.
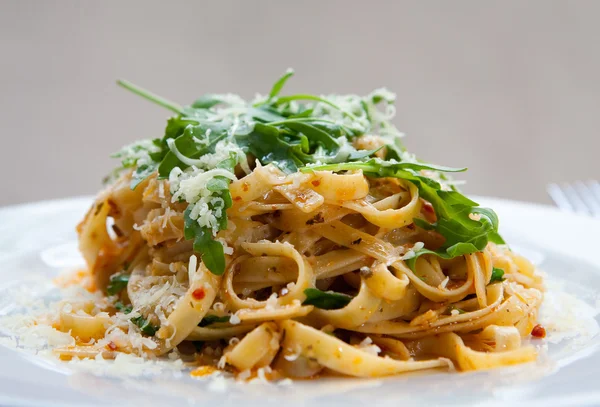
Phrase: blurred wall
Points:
(508, 88)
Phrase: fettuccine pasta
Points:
(295, 236)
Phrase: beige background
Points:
(508, 88)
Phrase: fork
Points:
(578, 197)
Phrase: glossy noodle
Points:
(315, 269)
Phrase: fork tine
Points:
(595, 188)
(588, 197)
(576, 200)
(560, 198)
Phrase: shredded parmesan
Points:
(234, 319)
(444, 283)
(368, 346)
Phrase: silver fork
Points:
(578, 197)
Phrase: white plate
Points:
(39, 238)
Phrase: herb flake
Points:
(328, 300)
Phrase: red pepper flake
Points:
(245, 187)
(198, 294)
(428, 211)
(111, 345)
(316, 182)
(538, 331)
(237, 198)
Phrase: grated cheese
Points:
(244, 375)
(368, 346)
(234, 319)
(161, 189)
(192, 268)
(219, 306)
(261, 374)
(566, 316)
(271, 303)
(226, 249)
(285, 382)
(190, 185)
(444, 283)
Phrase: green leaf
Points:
(497, 275)
(326, 299)
(213, 319)
(267, 144)
(117, 283)
(302, 113)
(457, 250)
(207, 101)
(187, 145)
(385, 168)
(126, 309)
(325, 101)
(264, 114)
(362, 154)
(314, 134)
(176, 125)
(145, 326)
(141, 173)
(496, 238)
(280, 83)
(174, 107)
(210, 250)
(213, 256)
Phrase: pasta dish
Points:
(294, 236)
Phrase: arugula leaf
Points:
(314, 133)
(175, 127)
(117, 283)
(496, 238)
(319, 99)
(497, 275)
(267, 144)
(187, 145)
(326, 299)
(207, 101)
(211, 251)
(277, 86)
(213, 319)
(362, 154)
(145, 326)
(174, 107)
(382, 168)
(264, 114)
(141, 173)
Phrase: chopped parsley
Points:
(145, 326)
(326, 299)
(213, 319)
(117, 283)
(497, 275)
(126, 309)
(452, 308)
